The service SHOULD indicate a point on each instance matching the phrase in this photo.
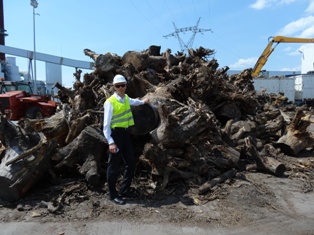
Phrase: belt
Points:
(120, 128)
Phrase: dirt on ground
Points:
(251, 198)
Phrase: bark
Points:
(263, 161)
(54, 128)
(207, 186)
(137, 59)
(77, 126)
(297, 137)
(92, 170)
(22, 164)
(87, 150)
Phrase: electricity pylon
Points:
(194, 29)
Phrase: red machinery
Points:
(17, 101)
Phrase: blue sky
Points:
(239, 29)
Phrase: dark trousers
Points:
(123, 141)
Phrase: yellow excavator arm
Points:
(269, 49)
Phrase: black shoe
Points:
(118, 200)
(129, 195)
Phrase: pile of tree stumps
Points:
(201, 127)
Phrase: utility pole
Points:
(34, 4)
(194, 29)
(2, 30)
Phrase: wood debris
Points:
(201, 127)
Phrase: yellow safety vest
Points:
(122, 114)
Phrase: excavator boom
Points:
(269, 49)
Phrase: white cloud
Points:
(298, 68)
(261, 4)
(287, 48)
(244, 63)
(308, 33)
(296, 26)
(301, 49)
(295, 53)
(301, 27)
(310, 8)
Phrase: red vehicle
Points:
(18, 101)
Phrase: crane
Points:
(269, 49)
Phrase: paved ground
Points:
(252, 203)
(278, 226)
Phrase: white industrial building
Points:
(53, 67)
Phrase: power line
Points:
(153, 9)
(165, 1)
(144, 16)
(194, 9)
(182, 10)
(209, 15)
(185, 46)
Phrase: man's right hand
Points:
(113, 148)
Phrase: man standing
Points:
(117, 118)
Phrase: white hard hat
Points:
(118, 79)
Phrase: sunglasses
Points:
(117, 86)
